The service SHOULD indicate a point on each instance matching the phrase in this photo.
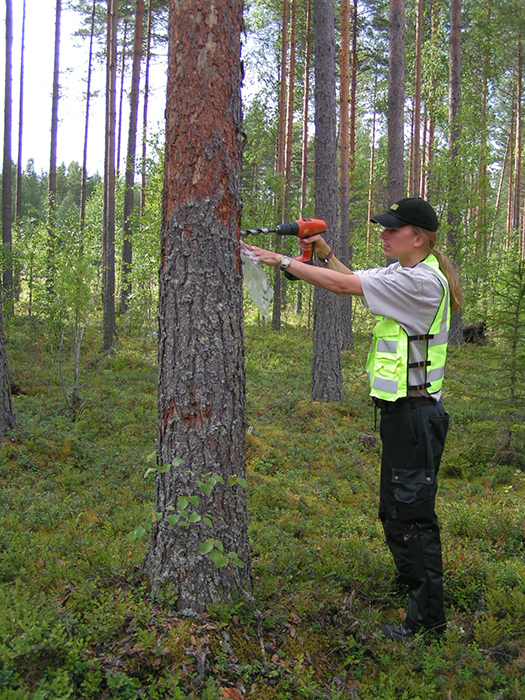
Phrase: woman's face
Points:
(403, 244)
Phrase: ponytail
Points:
(446, 267)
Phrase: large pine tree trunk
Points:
(396, 101)
(108, 234)
(327, 376)
(7, 197)
(201, 393)
(129, 195)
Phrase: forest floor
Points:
(77, 619)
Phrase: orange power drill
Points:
(302, 228)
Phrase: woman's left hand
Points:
(266, 256)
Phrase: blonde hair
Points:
(445, 265)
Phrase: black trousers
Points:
(413, 432)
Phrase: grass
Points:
(77, 619)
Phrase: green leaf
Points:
(173, 519)
(182, 502)
(194, 500)
(137, 533)
(218, 558)
(234, 557)
(206, 488)
(207, 546)
(207, 521)
(232, 480)
(157, 514)
(176, 462)
(195, 517)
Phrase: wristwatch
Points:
(285, 261)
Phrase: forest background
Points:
(78, 617)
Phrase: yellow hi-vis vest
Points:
(399, 364)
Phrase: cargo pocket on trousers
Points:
(414, 493)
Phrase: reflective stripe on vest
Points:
(397, 363)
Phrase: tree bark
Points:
(108, 242)
(201, 394)
(7, 195)
(327, 376)
(129, 195)
(396, 101)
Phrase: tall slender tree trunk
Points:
(108, 242)
(145, 109)
(201, 388)
(499, 193)
(52, 191)
(121, 94)
(306, 100)
(18, 207)
(289, 116)
(304, 142)
(454, 213)
(7, 196)
(371, 172)
(129, 195)
(396, 101)
(427, 174)
(416, 150)
(516, 193)
(281, 144)
(83, 186)
(327, 376)
(7, 415)
(345, 301)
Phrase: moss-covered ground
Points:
(77, 619)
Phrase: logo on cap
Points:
(394, 206)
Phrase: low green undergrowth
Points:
(77, 619)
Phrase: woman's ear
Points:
(419, 240)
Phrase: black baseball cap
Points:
(409, 210)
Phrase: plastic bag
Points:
(256, 283)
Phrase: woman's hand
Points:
(322, 249)
(266, 256)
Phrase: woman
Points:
(412, 301)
